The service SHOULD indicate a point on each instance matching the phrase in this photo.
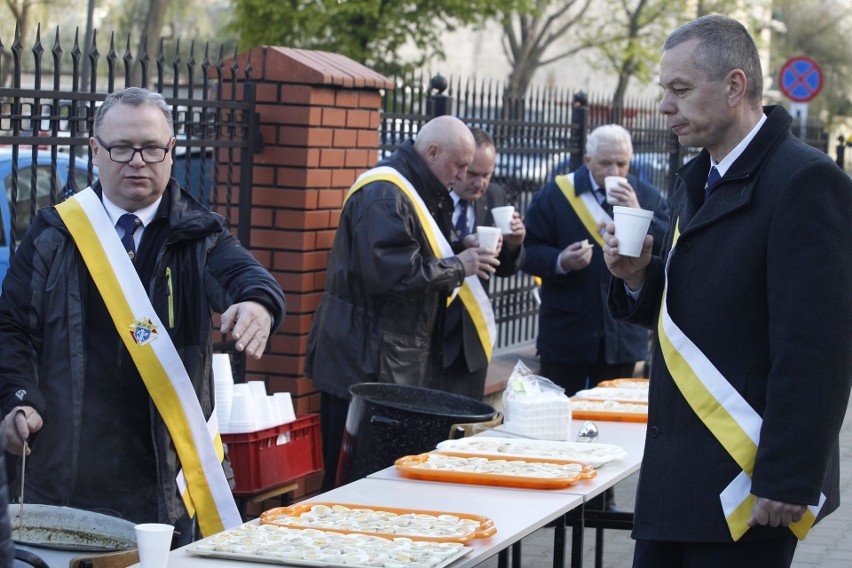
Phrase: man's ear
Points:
(735, 87)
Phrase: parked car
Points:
(45, 183)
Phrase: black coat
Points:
(382, 316)
(573, 316)
(43, 344)
(760, 283)
(460, 329)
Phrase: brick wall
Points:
(319, 118)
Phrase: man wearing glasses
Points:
(106, 334)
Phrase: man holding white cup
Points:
(579, 343)
(479, 205)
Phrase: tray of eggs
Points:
(527, 473)
(384, 521)
(275, 544)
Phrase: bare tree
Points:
(527, 38)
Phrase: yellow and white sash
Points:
(724, 411)
(586, 206)
(471, 292)
(198, 445)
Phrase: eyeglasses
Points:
(125, 154)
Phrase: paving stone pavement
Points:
(829, 544)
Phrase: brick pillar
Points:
(319, 117)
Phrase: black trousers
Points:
(333, 413)
(772, 553)
(458, 380)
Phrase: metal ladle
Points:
(588, 432)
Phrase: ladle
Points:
(588, 432)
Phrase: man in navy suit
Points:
(465, 362)
(579, 342)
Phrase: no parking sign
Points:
(800, 79)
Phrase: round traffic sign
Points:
(800, 79)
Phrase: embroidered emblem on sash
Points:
(143, 331)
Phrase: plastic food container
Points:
(407, 466)
(614, 412)
(485, 527)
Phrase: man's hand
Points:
(479, 261)
(472, 241)
(576, 256)
(629, 269)
(519, 232)
(250, 324)
(624, 195)
(17, 427)
(775, 513)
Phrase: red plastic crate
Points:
(276, 456)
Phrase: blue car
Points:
(45, 182)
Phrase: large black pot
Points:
(387, 421)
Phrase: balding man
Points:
(390, 274)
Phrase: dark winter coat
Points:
(382, 316)
(573, 316)
(760, 283)
(43, 315)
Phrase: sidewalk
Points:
(827, 546)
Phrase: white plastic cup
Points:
(284, 401)
(631, 226)
(223, 382)
(242, 417)
(154, 541)
(489, 237)
(611, 182)
(503, 218)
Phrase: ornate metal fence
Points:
(537, 136)
(47, 114)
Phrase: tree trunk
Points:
(148, 43)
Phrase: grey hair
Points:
(609, 133)
(133, 96)
(724, 44)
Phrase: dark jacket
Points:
(573, 316)
(382, 316)
(460, 329)
(760, 283)
(43, 315)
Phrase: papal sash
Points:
(471, 292)
(156, 358)
(587, 208)
(728, 416)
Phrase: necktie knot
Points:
(129, 223)
(712, 180)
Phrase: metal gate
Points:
(47, 114)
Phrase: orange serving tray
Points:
(485, 530)
(406, 466)
(618, 383)
(613, 416)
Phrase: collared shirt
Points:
(722, 167)
(732, 156)
(146, 215)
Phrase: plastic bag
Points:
(536, 406)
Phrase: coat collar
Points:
(736, 189)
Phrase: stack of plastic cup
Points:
(284, 402)
(242, 417)
(223, 381)
(264, 417)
